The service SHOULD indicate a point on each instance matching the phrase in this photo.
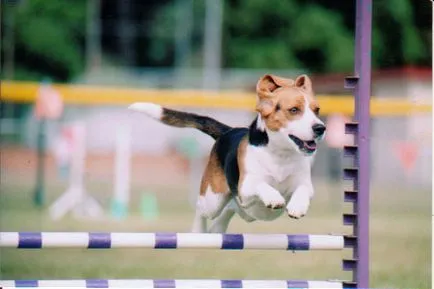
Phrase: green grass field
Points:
(400, 240)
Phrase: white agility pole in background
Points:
(121, 197)
(75, 198)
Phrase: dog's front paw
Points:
(298, 206)
(274, 202)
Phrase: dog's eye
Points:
(316, 110)
(294, 110)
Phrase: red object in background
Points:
(49, 103)
(407, 153)
(335, 136)
(64, 145)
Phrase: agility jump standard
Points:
(358, 174)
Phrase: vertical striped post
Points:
(363, 95)
(359, 173)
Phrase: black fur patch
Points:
(226, 148)
(205, 124)
(257, 137)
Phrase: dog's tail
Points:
(176, 118)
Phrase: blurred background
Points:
(70, 68)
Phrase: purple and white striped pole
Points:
(39, 240)
(170, 283)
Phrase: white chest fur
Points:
(275, 168)
(283, 172)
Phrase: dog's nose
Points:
(318, 129)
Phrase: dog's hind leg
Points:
(221, 222)
(199, 223)
(214, 192)
(208, 206)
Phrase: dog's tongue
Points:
(310, 144)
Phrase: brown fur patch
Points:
(241, 155)
(314, 106)
(287, 99)
(214, 177)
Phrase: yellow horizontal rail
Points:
(25, 92)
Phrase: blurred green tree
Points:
(49, 37)
(396, 38)
(319, 35)
(290, 34)
(316, 35)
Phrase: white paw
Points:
(298, 205)
(275, 201)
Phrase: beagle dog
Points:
(260, 171)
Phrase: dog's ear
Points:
(303, 81)
(265, 107)
(269, 83)
(265, 88)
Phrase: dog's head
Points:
(289, 112)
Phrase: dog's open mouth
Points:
(305, 146)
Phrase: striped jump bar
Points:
(38, 240)
(104, 283)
